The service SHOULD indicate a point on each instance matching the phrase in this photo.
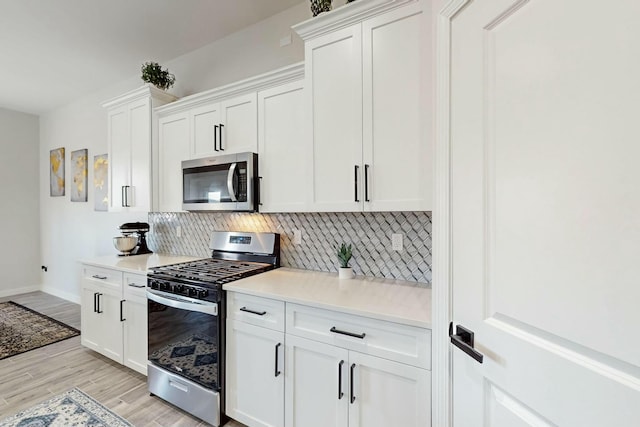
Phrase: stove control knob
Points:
(202, 293)
(165, 286)
(193, 292)
(154, 285)
(178, 288)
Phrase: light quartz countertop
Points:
(396, 301)
(136, 263)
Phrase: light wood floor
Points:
(29, 378)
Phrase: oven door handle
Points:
(230, 186)
(205, 307)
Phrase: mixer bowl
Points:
(125, 244)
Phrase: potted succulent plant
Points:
(344, 253)
(153, 73)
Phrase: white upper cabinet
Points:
(173, 148)
(130, 134)
(334, 78)
(369, 74)
(226, 127)
(283, 155)
(397, 150)
(225, 121)
(204, 122)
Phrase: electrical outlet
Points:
(179, 231)
(297, 237)
(396, 241)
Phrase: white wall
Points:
(19, 223)
(71, 231)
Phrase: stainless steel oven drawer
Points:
(185, 394)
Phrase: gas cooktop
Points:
(211, 271)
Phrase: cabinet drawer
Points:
(102, 275)
(257, 311)
(135, 285)
(393, 341)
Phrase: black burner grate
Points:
(212, 271)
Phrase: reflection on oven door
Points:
(184, 342)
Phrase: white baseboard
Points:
(60, 294)
(18, 291)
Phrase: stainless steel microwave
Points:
(220, 183)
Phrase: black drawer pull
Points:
(98, 297)
(276, 371)
(353, 394)
(122, 319)
(259, 313)
(96, 276)
(351, 334)
(340, 393)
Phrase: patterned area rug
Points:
(195, 357)
(73, 408)
(22, 329)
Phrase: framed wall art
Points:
(56, 172)
(79, 175)
(101, 182)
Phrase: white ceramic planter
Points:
(346, 273)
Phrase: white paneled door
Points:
(545, 212)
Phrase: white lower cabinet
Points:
(316, 384)
(255, 375)
(114, 319)
(330, 373)
(327, 385)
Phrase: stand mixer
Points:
(139, 230)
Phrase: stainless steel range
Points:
(187, 313)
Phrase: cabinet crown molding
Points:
(345, 16)
(256, 83)
(145, 91)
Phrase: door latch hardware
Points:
(463, 339)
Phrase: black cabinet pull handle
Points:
(366, 183)
(95, 302)
(221, 126)
(277, 372)
(259, 191)
(122, 319)
(351, 334)
(355, 180)
(95, 276)
(215, 137)
(340, 393)
(353, 395)
(463, 339)
(259, 313)
(99, 311)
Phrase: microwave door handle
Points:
(232, 191)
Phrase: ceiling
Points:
(52, 52)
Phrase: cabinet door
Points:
(101, 318)
(387, 393)
(317, 384)
(333, 77)
(173, 148)
(397, 121)
(135, 333)
(139, 194)
(240, 120)
(255, 378)
(112, 328)
(283, 156)
(91, 325)
(204, 141)
(119, 147)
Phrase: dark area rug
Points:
(22, 329)
(73, 408)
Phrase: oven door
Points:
(184, 337)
